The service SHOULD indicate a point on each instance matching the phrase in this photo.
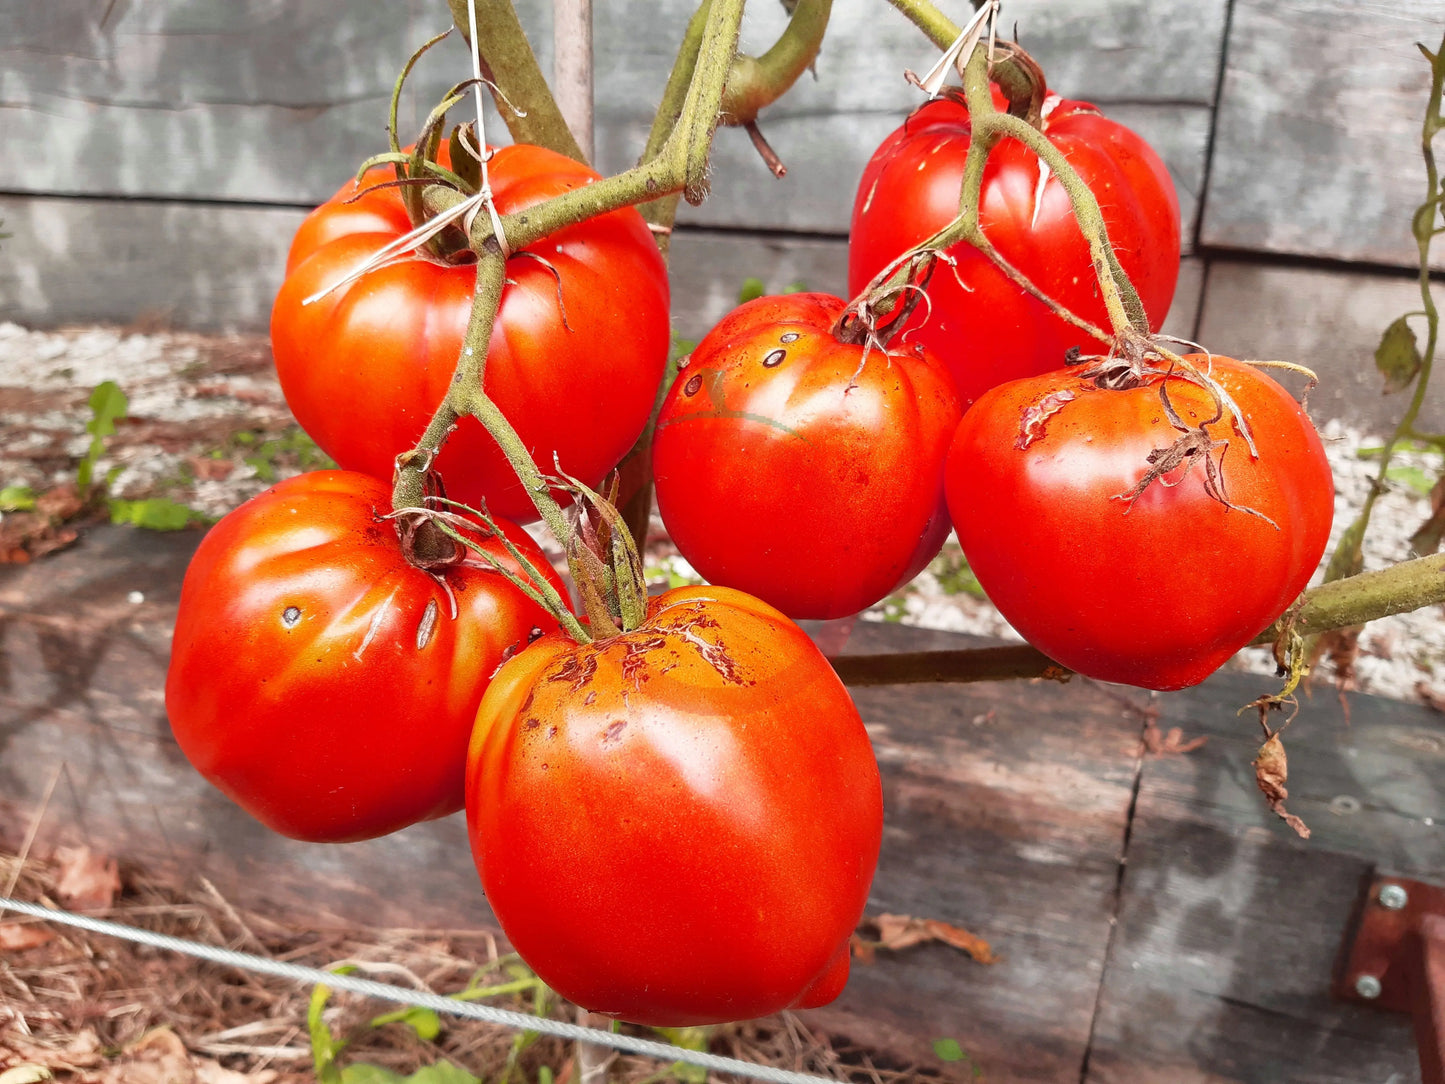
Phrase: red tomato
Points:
(989, 330)
(318, 678)
(1154, 586)
(801, 469)
(677, 825)
(576, 354)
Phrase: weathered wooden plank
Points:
(212, 267)
(1318, 143)
(192, 266)
(1006, 808)
(277, 102)
(1328, 320)
(1230, 925)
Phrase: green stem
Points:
(680, 166)
(1345, 603)
(517, 80)
(940, 29)
(756, 82)
(663, 212)
(1347, 555)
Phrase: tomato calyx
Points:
(604, 561)
(1019, 77)
(882, 309)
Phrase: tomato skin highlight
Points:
(800, 469)
(983, 326)
(318, 679)
(578, 349)
(1159, 591)
(678, 825)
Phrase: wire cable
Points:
(421, 998)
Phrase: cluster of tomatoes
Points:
(678, 821)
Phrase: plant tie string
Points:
(425, 999)
(485, 194)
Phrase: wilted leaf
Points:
(898, 932)
(19, 936)
(87, 881)
(1427, 539)
(1271, 772)
(1398, 356)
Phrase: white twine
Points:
(421, 998)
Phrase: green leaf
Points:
(324, 1045)
(752, 288)
(948, 1050)
(425, 1022)
(262, 466)
(16, 499)
(108, 405)
(1411, 476)
(544, 1075)
(1398, 355)
(155, 514)
(365, 1073)
(798, 286)
(442, 1072)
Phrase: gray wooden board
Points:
(277, 102)
(1230, 924)
(1317, 150)
(1329, 320)
(995, 822)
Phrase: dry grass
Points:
(98, 1010)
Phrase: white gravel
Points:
(188, 384)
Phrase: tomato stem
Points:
(756, 82)
(515, 80)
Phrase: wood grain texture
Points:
(1317, 150)
(994, 822)
(277, 101)
(1328, 320)
(1230, 924)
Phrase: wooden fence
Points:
(161, 154)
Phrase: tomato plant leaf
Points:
(108, 404)
(948, 1050)
(425, 1022)
(17, 499)
(1398, 355)
(155, 514)
(324, 1045)
(752, 289)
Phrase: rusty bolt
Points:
(1368, 987)
(1392, 897)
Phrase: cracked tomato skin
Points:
(677, 825)
(1161, 590)
(992, 331)
(800, 469)
(318, 678)
(577, 352)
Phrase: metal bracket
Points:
(1394, 958)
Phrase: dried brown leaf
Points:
(87, 881)
(59, 503)
(205, 468)
(1168, 743)
(1271, 772)
(19, 936)
(898, 932)
(1430, 696)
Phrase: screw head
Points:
(1392, 897)
(1368, 987)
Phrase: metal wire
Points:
(421, 998)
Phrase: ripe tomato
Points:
(578, 349)
(801, 469)
(318, 678)
(989, 330)
(1156, 585)
(677, 825)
